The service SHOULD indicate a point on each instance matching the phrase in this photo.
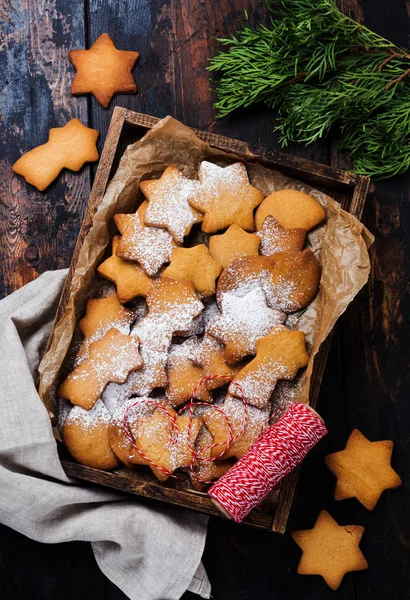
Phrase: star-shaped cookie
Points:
(244, 319)
(68, 147)
(330, 550)
(279, 355)
(112, 358)
(363, 469)
(167, 447)
(151, 247)
(197, 265)
(103, 70)
(274, 238)
(168, 202)
(234, 243)
(130, 278)
(226, 197)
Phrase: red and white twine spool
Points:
(281, 448)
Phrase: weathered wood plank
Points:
(38, 229)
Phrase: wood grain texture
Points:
(366, 382)
(38, 229)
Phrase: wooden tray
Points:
(349, 189)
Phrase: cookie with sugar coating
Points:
(86, 437)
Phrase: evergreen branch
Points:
(319, 68)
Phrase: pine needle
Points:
(318, 69)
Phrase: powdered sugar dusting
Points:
(89, 419)
(168, 204)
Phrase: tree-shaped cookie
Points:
(363, 469)
(130, 279)
(68, 147)
(330, 550)
(244, 319)
(151, 247)
(234, 243)
(168, 202)
(101, 315)
(165, 445)
(279, 355)
(275, 238)
(112, 358)
(103, 70)
(226, 197)
(197, 265)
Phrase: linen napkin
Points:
(150, 552)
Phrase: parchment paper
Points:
(340, 243)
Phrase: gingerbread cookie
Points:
(68, 147)
(247, 424)
(274, 238)
(291, 208)
(151, 247)
(205, 471)
(244, 319)
(119, 441)
(129, 278)
(294, 280)
(111, 358)
(86, 437)
(330, 550)
(363, 469)
(166, 446)
(279, 355)
(210, 355)
(101, 315)
(197, 265)
(243, 274)
(103, 70)
(234, 243)
(225, 196)
(168, 203)
(183, 375)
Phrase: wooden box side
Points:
(350, 191)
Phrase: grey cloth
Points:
(150, 553)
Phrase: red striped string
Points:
(280, 449)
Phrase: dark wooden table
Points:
(366, 383)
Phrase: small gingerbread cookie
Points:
(234, 243)
(168, 203)
(210, 355)
(279, 355)
(363, 469)
(330, 550)
(129, 278)
(294, 280)
(274, 238)
(243, 274)
(151, 247)
(119, 441)
(225, 196)
(111, 358)
(167, 446)
(291, 209)
(244, 319)
(68, 147)
(101, 315)
(203, 471)
(183, 375)
(103, 70)
(86, 437)
(197, 265)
